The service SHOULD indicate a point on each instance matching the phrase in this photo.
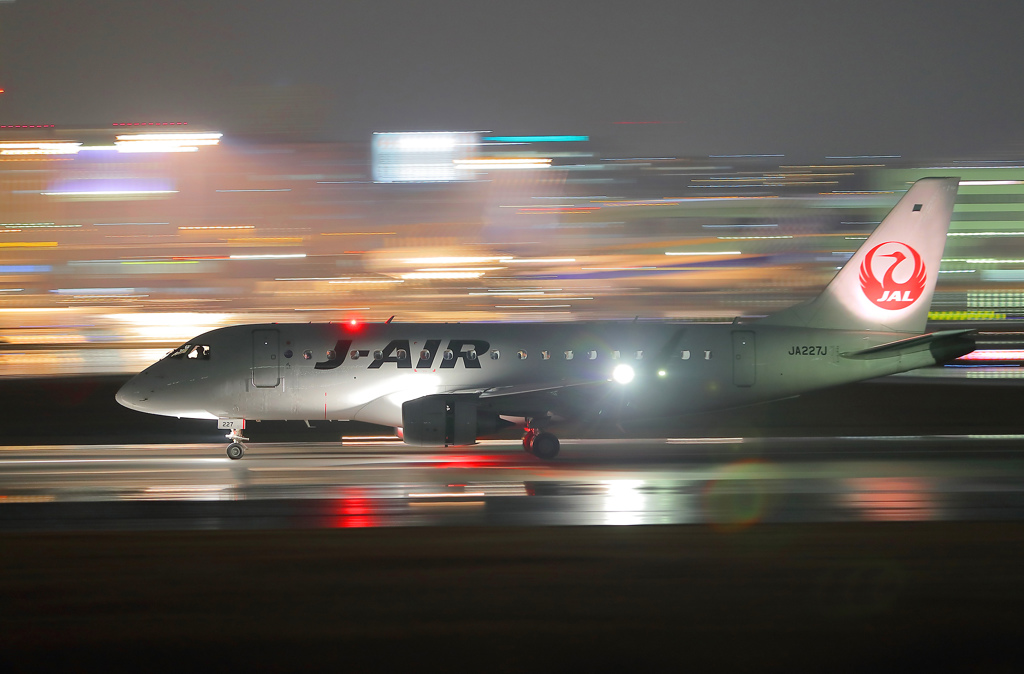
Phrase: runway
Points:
(883, 553)
(725, 482)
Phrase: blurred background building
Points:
(118, 243)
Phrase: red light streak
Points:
(150, 124)
(353, 513)
(891, 499)
(472, 461)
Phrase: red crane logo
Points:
(889, 293)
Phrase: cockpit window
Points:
(180, 351)
(200, 352)
(191, 351)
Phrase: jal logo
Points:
(892, 275)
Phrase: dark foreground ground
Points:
(849, 597)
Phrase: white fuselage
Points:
(366, 372)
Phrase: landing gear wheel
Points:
(528, 440)
(236, 450)
(545, 446)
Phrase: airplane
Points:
(447, 384)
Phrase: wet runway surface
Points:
(725, 482)
(899, 553)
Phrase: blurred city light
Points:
(503, 163)
(422, 156)
(536, 139)
(108, 253)
(165, 142)
(39, 148)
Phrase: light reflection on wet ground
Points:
(731, 483)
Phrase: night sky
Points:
(804, 79)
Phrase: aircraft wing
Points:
(523, 389)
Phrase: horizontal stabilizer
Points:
(945, 345)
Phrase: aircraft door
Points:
(744, 364)
(266, 363)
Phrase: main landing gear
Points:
(541, 444)
(236, 450)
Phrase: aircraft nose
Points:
(133, 394)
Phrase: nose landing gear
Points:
(236, 450)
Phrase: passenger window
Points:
(567, 355)
(707, 355)
(307, 355)
(545, 355)
(449, 354)
(522, 355)
(402, 354)
(424, 355)
(685, 355)
(471, 355)
(592, 355)
(354, 354)
(615, 355)
(331, 355)
(378, 355)
(495, 355)
(639, 355)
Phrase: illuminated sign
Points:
(422, 157)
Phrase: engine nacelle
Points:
(440, 420)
